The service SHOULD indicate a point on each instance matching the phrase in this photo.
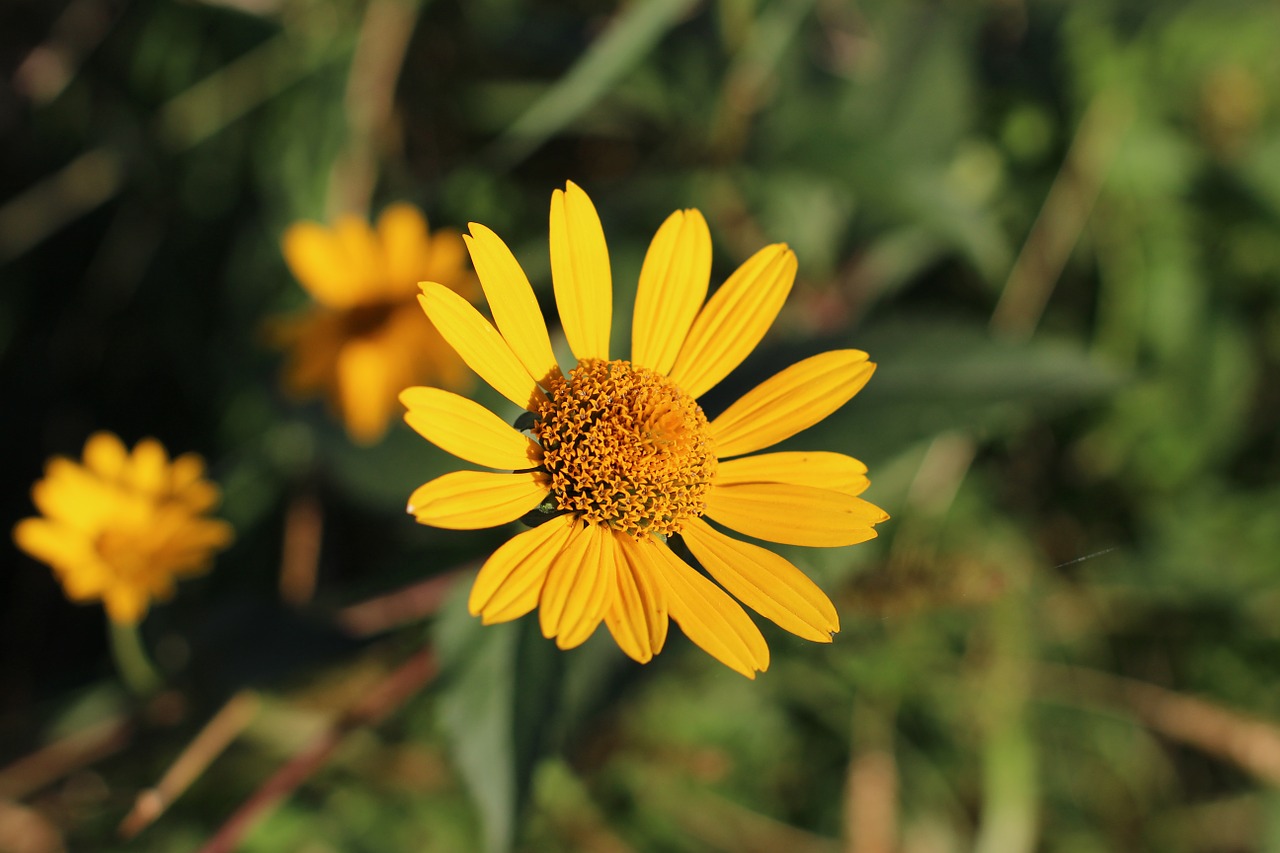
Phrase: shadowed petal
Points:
(510, 582)
(637, 618)
(479, 344)
(580, 273)
(790, 401)
(467, 429)
(708, 617)
(471, 500)
(735, 319)
(794, 515)
(575, 595)
(673, 284)
(765, 582)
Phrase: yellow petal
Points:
(470, 500)
(320, 265)
(595, 602)
(403, 233)
(70, 494)
(794, 515)
(735, 319)
(147, 469)
(580, 273)
(819, 468)
(787, 402)
(673, 284)
(53, 544)
(708, 617)
(104, 455)
(366, 383)
(637, 618)
(366, 263)
(511, 300)
(479, 344)
(575, 595)
(467, 429)
(447, 263)
(510, 582)
(764, 581)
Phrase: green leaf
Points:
(635, 32)
(499, 688)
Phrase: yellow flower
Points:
(365, 339)
(122, 526)
(619, 456)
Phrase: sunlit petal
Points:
(479, 344)
(708, 617)
(794, 515)
(673, 284)
(467, 429)
(511, 300)
(790, 401)
(765, 582)
(580, 273)
(819, 468)
(471, 500)
(510, 582)
(735, 319)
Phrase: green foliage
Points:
(1064, 639)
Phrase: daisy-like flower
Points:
(620, 460)
(364, 339)
(122, 527)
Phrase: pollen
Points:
(625, 447)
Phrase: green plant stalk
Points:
(130, 655)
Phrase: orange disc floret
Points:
(624, 446)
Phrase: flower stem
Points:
(135, 668)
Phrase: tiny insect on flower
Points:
(620, 457)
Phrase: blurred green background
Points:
(1054, 225)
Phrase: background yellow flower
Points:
(365, 339)
(122, 527)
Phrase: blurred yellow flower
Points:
(618, 456)
(365, 339)
(123, 526)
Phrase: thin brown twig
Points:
(402, 607)
(216, 736)
(300, 554)
(1062, 218)
(871, 784)
(370, 101)
(50, 763)
(394, 691)
(1250, 743)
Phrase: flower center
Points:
(625, 447)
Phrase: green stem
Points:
(135, 668)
